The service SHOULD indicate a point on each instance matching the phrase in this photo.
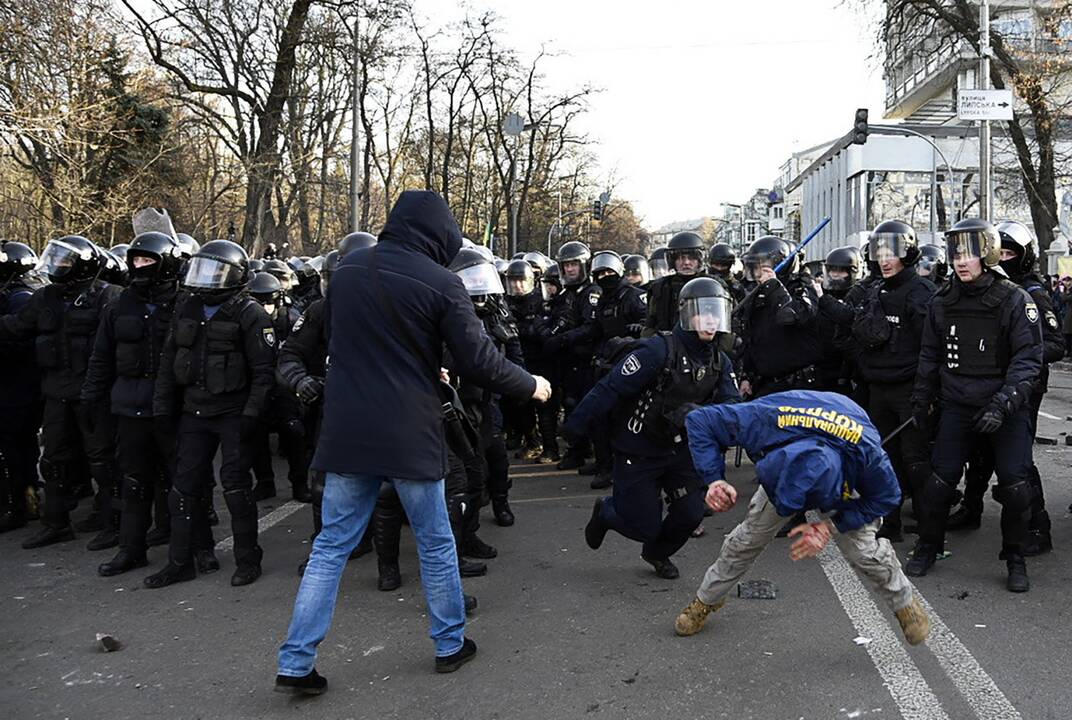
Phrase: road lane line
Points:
(914, 697)
(280, 513)
(1048, 416)
(589, 496)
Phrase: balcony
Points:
(927, 80)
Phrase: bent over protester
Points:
(813, 451)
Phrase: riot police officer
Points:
(637, 271)
(524, 298)
(20, 393)
(932, 264)
(841, 270)
(981, 356)
(888, 329)
(284, 412)
(720, 262)
(122, 372)
(777, 322)
(571, 313)
(216, 371)
(307, 283)
(1019, 261)
(62, 318)
(685, 254)
(646, 397)
(660, 266)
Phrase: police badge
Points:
(631, 365)
(700, 372)
(1032, 312)
(269, 336)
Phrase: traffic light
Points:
(859, 127)
(597, 210)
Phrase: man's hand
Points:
(818, 285)
(543, 390)
(721, 496)
(309, 389)
(444, 375)
(765, 274)
(813, 538)
(745, 388)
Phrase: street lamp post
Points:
(355, 132)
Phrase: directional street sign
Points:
(984, 104)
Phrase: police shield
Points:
(153, 220)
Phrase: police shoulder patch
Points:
(269, 336)
(1051, 320)
(1032, 312)
(593, 298)
(643, 297)
(631, 365)
(298, 323)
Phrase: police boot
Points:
(171, 573)
(664, 568)
(179, 567)
(132, 527)
(965, 517)
(244, 527)
(474, 547)
(123, 561)
(161, 532)
(921, 560)
(390, 576)
(205, 561)
(48, 535)
(602, 481)
(500, 507)
(548, 456)
(301, 492)
(915, 624)
(386, 531)
(596, 529)
(263, 490)
(57, 525)
(589, 468)
(470, 604)
(1038, 535)
(692, 618)
(1017, 581)
(456, 505)
(572, 460)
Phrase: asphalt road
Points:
(563, 631)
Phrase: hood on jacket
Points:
(421, 221)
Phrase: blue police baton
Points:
(808, 239)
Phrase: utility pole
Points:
(984, 126)
(355, 132)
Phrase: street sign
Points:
(984, 105)
(513, 124)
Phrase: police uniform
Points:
(63, 329)
(571, 314)
(662, 302)
(981, 352)
(20, 414)
(646, 396)
(528, 315)
(217, 370)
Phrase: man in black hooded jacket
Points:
(392, 309)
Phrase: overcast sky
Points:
(702, 100)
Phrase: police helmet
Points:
(893, 239)
(217, 272)
(704, 304)
(266, 290)
(845, 259)
(120, 251)
(331, 263)
(721, 254)
(973, 238)
(637, 269)
(685, 244)
(355, 241)
(932, 263)
(16, 259)
(282, 272)
(187, 245)
(305, 273)
(71, 259)
(1016, 236)
(316, 263)
(478, 274)
(552, 276)
(538, 261)
(769, 251)
(574, 251)
(162, 250)
(659, 265)
(501, 265)
(520, 278)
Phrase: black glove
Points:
(990, 419)
(634, 329)
(309, 389)
(677, 415)
(921, 413)
(248, 429)
(166, 425)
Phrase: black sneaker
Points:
(390, 577)
(106, 538)
(311, 684)
(477, 548)
(471, 568)
(206, 561)
(663, 568)
(595, 530)
(504, 516)
(158, 536)
(48, 536)
(602, 481)
(123, 561)
(450, 663)
(246, 574)
(170, 575)
(922, 559)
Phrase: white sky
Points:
(703, 99)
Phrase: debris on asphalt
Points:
(980, 626)
(960, 595)
(861, 640)
(108, 643)
(757, 590)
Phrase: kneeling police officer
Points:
(646, 396)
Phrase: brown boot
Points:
(692, 618)
(915, 624)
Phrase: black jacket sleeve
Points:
(165, 391)
(100, 375)
(1025, 351)
(925, 391)
(22, 325)
(305, 342)
(1053, 343)
(260, 356)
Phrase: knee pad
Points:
(51, 472)
(937, 493)
(182, 505)
(240, 502)
(1016, 497)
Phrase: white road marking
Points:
(1048, 416)
(590, 496)
(910, 691)
(280, 513)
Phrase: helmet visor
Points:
(837, 277)
(966, 245)
(639, 275)
(659, 268)
(886, 246)
(705, 314)
(520, 286)
(754, 263)
(210, 274)
(481, 279)
(59, 259)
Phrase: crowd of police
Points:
(125, 371)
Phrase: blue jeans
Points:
(348, 504)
